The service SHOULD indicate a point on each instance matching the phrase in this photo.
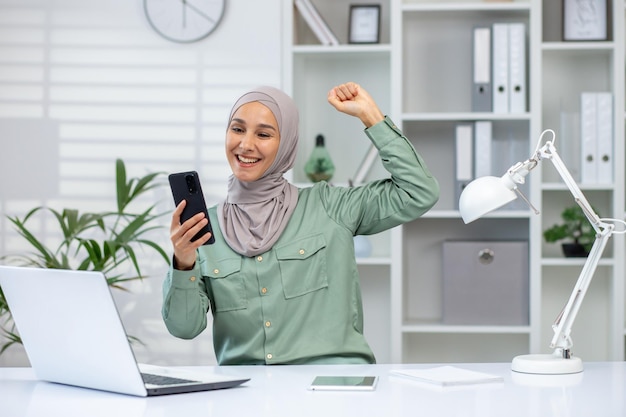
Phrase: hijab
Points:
(255, 213)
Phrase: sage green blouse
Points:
(300, 302)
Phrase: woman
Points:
(281, 279)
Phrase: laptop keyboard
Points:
(163, 380)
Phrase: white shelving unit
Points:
(421, 75)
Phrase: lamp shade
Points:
(484, 195)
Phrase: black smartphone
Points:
(186, 186)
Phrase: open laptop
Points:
(73, 335)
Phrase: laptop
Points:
(72, 333)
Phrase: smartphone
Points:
(186, 186)
(344, 383)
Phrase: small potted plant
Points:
(576, 230)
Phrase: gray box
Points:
(485, 282)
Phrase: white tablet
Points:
(343, 383)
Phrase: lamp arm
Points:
(548, 151)
(562, 326)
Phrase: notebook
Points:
(447, 376)
(73, 335)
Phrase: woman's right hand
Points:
(181, 235)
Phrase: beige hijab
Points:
(255, 213)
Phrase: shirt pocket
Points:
(227, 284)
(302, 265)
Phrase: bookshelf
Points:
(421, 74)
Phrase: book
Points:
(447, 375)
(316, 22)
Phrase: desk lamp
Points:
(486, 194)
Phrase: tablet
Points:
(344, 383)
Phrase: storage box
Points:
(485, 282)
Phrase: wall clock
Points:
(184, 21)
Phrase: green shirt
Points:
(300, 302)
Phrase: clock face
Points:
(184, 20)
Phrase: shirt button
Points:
(268, 324)
(259, 258)
(216, 271)
(269, 356)
(192, 279)
(301, 251)
(263, 290)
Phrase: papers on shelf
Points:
(316, 22)
(447, 376)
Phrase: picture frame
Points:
(585, 20)
(364, 25)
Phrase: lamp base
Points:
(546, 364)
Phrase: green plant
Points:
(105, 241)
(575, 228)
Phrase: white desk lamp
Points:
(486, 194)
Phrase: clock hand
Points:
(198, 11)
(184, 13)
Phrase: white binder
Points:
(464, 169)
(517, 68)
(588, 138)
(482, 149)
(481, 70)
(604, 150)
(500, 68)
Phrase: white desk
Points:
(600, 391)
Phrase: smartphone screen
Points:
(186, 186)
(341, 383)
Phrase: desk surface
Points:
(282, 391)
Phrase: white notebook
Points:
(447, 376)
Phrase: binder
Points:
(604, 129)
(588, 138)
(482, 149)
(464, 170)
(315, 21)
(500, 67)
(481, 70)
(517, 68)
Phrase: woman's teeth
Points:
(247, 160)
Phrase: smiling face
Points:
(252, 141)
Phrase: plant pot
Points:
(574, 250)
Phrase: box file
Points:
(464, 169)
(588, 138)
(500, 67)
(485, 283)
(596, 126)
(604, 149)
(517, 68)
(483, 149)
(481, 70)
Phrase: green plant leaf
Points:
(121, 186)
(104, 241)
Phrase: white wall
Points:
(83, 82)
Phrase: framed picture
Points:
(364, 23)
(585, 20)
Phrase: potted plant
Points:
(576, 229)
(104, 241)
